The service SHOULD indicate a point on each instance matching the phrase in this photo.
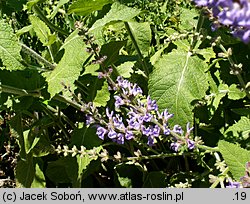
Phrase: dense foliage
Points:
(122, 93)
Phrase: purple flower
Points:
(89, 120)
(117, 120)
(118, 101)
(151, 104)
(129, 135)
(191, 144)
(231, 13)
(245, 180)
(232, 184)
(150, 141)
(120, 138)
(135, 90)
(146, 131)
(112, 134)
(101, 132)
(156, 131)
(189, 129)
(175, 146)
(177, 129)
(133, 124)
(166, 130)
(147, 117)
(166, 115)
(109, 114)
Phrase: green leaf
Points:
(111, 51)
(207, 53)
(30, 140)
(32, 3)
(118, 12)
(85, 7)
(92, 69)
(128, 175)
(177, 80)
(155, 179)
(42, 31)
(16, 4)
(215, 97)
(235, 93)
(83, 162)
(125, 69)
(242, 111)
(86, 137)
(63, 170)
(39, 179)
(241, 129)
(102, 96)
(70, 66)
(25, 171)
(56, 9)
(235, 158)
(9, 48)
(188, 19)
(142, 35)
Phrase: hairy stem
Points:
(237, 73)
(36, 56)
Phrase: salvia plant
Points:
(121, 93)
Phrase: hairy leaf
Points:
(70, 66)
(235, 158)
(86, 137)
(42, 31)
(85, 7)
(102, 96)
(235, 93)
(177, 80)
(25, 171)
(142, 35)
(155, 179)
(188, 18)
(118, 12)
(9, 48)
(125, 69)
(39, 179)
(111, 51)
(241, 129)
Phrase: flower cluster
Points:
(232, 13)
(142, 118)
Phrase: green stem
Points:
(19, 92)
(198, 29)
(40, 14)
(57, 121)
(219, 178)
(137, 48)
(68, 101)
(157, 156)
(232, 63)
(36, 56)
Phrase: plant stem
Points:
(19, 92)
(36, 56)
(137, 48)
(197, 30)
(40, 14)
(219, 178)
(233, 64)
(157, 156)
(68, 101)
